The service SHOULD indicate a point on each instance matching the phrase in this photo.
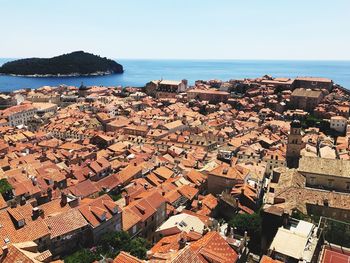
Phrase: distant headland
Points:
(78, 63)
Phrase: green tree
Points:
(82, 256)
(245, 222)
(4, 186)
(138, 247)
(338, 233)
(112, 243)
(115, 197)
(251, 224)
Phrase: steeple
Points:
(83, 90)
(295, 144)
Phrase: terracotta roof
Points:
(129, 173)
(169, 243)
(266, 259)
(148, 205)
(25, 252)
(16, 109)
(83, 189)
(108, 182)
(98, 210)
(163, 172)
(213, 248)
(188, 191)
(196, 177)
(224, 170)
(129, 218)
(65, 223)
(246, 190)
(125, 257)
(173, 125)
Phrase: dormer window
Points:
(21, 223)
(103, 217)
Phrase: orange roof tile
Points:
(65, 223)
(124, 257)
(212, 247)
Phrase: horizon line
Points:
(204, 59)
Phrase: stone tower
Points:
(83, 90)
(295, 144)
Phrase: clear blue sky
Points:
(200, 29)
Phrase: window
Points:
(134, 229)
(348, 186)
(330, 183)
(21, 222)
(312, 180)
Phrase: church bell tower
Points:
(295, 144)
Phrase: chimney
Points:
(199, 204)
(34, 181)
(285, 219)
(127, 200)
(35, 212)
(242, 191)
(182, 242)
(63, 199)
(22, 201)
(5, 251)
(245, 238)
(205, 230)
(49, 193)
(228, 231)
(225, 171)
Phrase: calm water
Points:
(139, 72)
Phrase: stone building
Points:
(213, 96)
(338, 123)
(295, 144)
(166, 88)
(224, 177)
(330, 174)
(19, 114)
(313, 83)
(305, 99)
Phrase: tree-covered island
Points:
(77, 63)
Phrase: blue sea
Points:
(139, 72)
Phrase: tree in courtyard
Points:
(112, 243)
(4, 186)
(109, 246)
(338, 233)
(138, 247)
(251, 224)
(82, 256)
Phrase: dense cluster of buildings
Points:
(174, 163)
